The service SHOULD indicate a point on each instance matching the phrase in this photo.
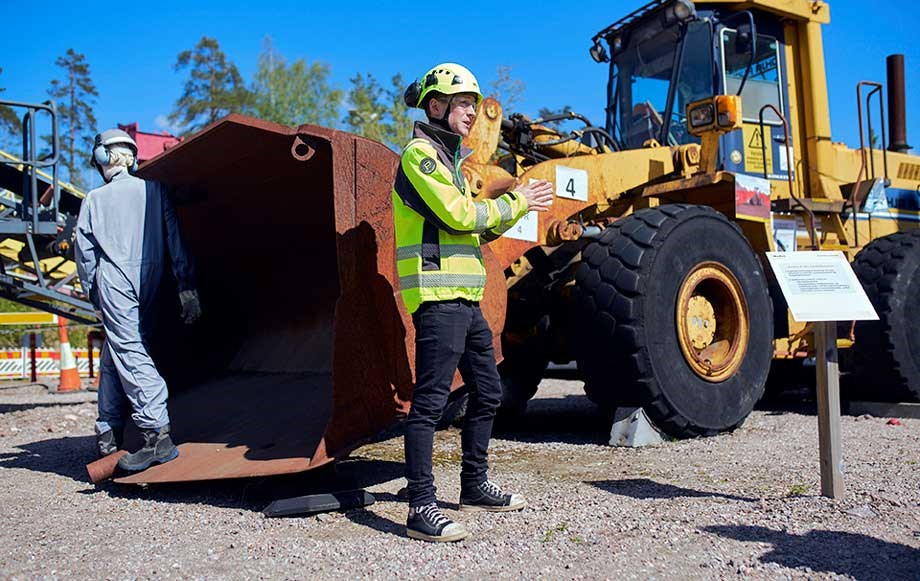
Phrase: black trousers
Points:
(450, 335)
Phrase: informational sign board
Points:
(821, 286)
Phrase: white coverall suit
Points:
(123, 233)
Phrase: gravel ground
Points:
(745, 504)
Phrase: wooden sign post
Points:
(828, 390)
(821, 288)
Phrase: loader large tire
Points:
(675, 317)
(521, 373)
(886, 355)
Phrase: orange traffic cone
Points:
(70, 377)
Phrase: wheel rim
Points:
(712, 321)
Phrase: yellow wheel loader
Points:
(649, 270)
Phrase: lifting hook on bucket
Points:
(309, 150)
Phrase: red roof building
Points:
(149, 144)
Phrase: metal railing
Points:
(790, 163)
(35, 219)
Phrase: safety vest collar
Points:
(447, 141)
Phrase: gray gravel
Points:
(745, 504)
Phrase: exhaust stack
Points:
(897, 118)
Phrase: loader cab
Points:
(669, 54)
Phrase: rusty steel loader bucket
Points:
(305, 350)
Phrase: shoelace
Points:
(433, 514)
(491, 489)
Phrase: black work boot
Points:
(109, 442)
(489, 497)
(428, 523)
(158, 448)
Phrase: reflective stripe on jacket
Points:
(439, 226)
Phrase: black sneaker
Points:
(489, 497)
(428, 523)
(158, 448)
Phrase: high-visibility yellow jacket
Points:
(439, 226)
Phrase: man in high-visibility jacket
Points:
(439, 229)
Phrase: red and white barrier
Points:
(14, 363)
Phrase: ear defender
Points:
(413, 91)
(100, 153)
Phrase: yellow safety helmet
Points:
(447, 79)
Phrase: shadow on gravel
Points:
(645, 489)
(572, 419)
(855, 555)
(65, 456)
(68, 457)
(254, 494)
(366, 518)
(6, 408)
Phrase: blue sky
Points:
(132, 46)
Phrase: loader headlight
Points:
(683, 9)
(679, 11)
(598, 52)
(720, 114)
(701, 115)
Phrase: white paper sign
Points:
(571, 183)
(785, 234)
(821, 286)
(524, 229)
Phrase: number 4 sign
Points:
(571, 183)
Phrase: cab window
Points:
(762, 86)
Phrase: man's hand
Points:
(539, 195)
(191, 306)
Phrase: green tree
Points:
(400, 121)
(214, 87)
(506, 89)
(9, 124)
(293, 94)
(376, 112)
(74, 96)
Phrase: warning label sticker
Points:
(754, 148)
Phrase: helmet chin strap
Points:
(442, 122)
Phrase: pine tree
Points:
(74, 96)
(9, 124)
(378, 113)
(295, 94)
(213, 89)
(400, 121)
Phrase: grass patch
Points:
(799, 490)
(551, 532)
(449, 458)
